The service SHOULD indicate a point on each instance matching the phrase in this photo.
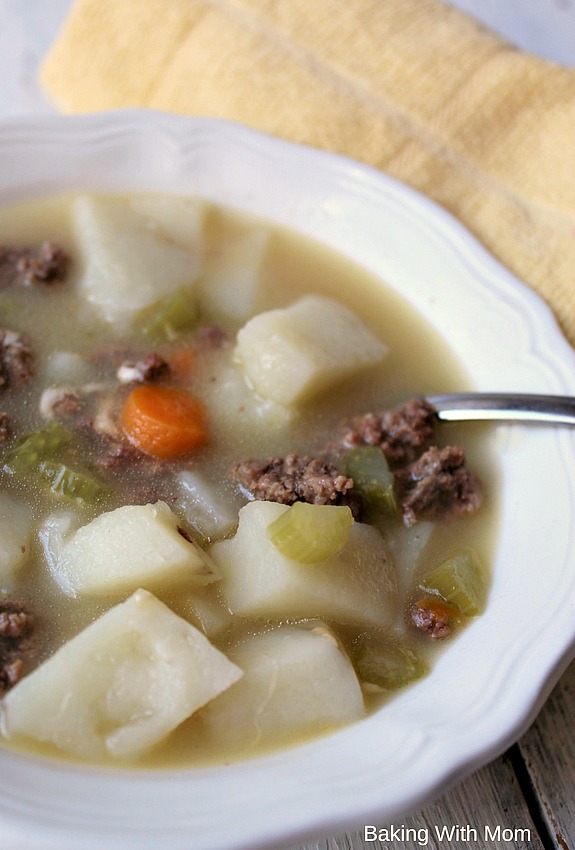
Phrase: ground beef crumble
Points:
(16, 360)
(151, 368)
(46, 265)
(15, 628)
(402, 433)
(293, 479)
(432, 619)
(5, 427)
(431, 483)
(437, 486)
(60, 402)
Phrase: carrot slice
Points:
(164, 422)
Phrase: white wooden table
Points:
(525, 798)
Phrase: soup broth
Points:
(93, 476)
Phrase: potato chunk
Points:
(357, 585)
(130, 265)
(231, 406)
(291, 354)
(233, 280)
(15, 536)
(207, 511)
(297, 680)
(132, 546)
(121, 685)
(176, 219)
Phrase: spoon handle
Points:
(457, 407)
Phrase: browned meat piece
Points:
(293, 479)
(9, 258)
(16, 360)
(15, 626)
(151, 368)
(15, 621)
(48, 264)
(60, 402)
(5, 428)
(10, 673)
(437, 486)
(402, 433)
(433, 617)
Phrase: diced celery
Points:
(37, 446)
(309, 534)
(388, 665)
(170, 316)
(68, 482)
(46, 454)
(372, 478)
(460, 581)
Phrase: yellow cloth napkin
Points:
(414, 87)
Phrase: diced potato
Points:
(130, 266)
(407, 546)
(66, 367)
(132, 546)
(15, 536)
(210, 514)
(121, 685)
(291, 354)
(177, 219)
(204, 609)
(54, 533)
(296, 681)
(231, 406)
(232, 285)
(357, 585)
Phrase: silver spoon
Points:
(457, 407)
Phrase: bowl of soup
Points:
(252, 590)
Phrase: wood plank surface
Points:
(548, 750)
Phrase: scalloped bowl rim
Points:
(490, 684)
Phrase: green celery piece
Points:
(40, 453)
(309, 534)
(460, 581)
(68, 482)
(385, 664)
(173, 314)
(372, 478)
(37, 446)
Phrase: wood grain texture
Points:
(548, 750)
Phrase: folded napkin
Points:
(413, 87)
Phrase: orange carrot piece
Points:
(440, 609)
(164, 422)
